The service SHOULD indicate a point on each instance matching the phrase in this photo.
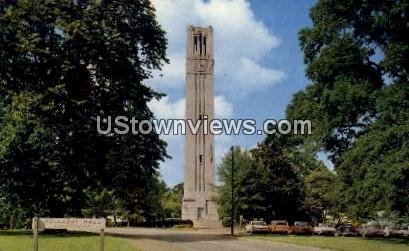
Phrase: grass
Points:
(22, 241)
(342, 243)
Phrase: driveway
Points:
(206, 240)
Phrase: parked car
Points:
(371, 229)
(395, 231)
(279, 227)
(256, 227)
(324, 229)
(301, 227)
(346, 230)
(406, 232)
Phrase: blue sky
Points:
(258, 64)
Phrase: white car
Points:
(395, 231)
(324, 229)
(371, 229)
(256, 227)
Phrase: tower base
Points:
(202, 212)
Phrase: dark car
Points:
(346, 230)
(3, 226)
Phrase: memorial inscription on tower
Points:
(198, 200)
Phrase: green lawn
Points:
(342, 243)
(22, 241)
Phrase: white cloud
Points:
(256, 76)
(172, 74)
(223, 109)
(239, 37)
(165, 109)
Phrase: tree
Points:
(151, 209)
(250, 187)
(63, 63)
(172, 201)
(275, 153)
(253, 191)
(322, 195)
(375, 170)
(267, 184)
(100, 204)
(356, 54)
(11, 217)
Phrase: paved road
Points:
(176, 240)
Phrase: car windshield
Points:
(300, 223)
(258, 223)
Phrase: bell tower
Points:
(199, 205)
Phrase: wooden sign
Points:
(73, 224)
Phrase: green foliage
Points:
(322, 195)
(171, 201)
(375, 171)
(99, 204)
(284, 176)
(356, 54)
(267, 182)
(251, 188)
(340, 101)
(151, 205)
(11, 217)
(63, 63)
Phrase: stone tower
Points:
(198, 200)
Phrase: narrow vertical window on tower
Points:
(195, 45)
(204, 45)
(200, 44)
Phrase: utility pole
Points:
(232, 192)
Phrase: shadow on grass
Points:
(175, 237)
(391, 240)
(46, 233)
(15, 232)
